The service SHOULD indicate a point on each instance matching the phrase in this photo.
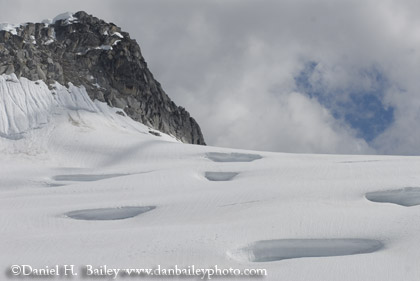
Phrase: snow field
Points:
(302, 217)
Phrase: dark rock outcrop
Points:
(85, 50)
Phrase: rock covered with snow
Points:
(86, 51)
(66, 17)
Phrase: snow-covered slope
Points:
(27, 105)
(189, 205)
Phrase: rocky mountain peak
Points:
(87, 51)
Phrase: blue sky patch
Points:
(361, 108)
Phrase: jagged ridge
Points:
(84, 50)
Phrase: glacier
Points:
(138, 199)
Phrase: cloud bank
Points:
(292, 76)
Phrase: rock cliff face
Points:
(85, 50)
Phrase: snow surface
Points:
(67, 17)
(104, 47)
(9, 27)
(27, 105)
(197, 222)
(48, 42)
(117, 34)
(115, 43)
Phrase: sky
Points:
(300, 76)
